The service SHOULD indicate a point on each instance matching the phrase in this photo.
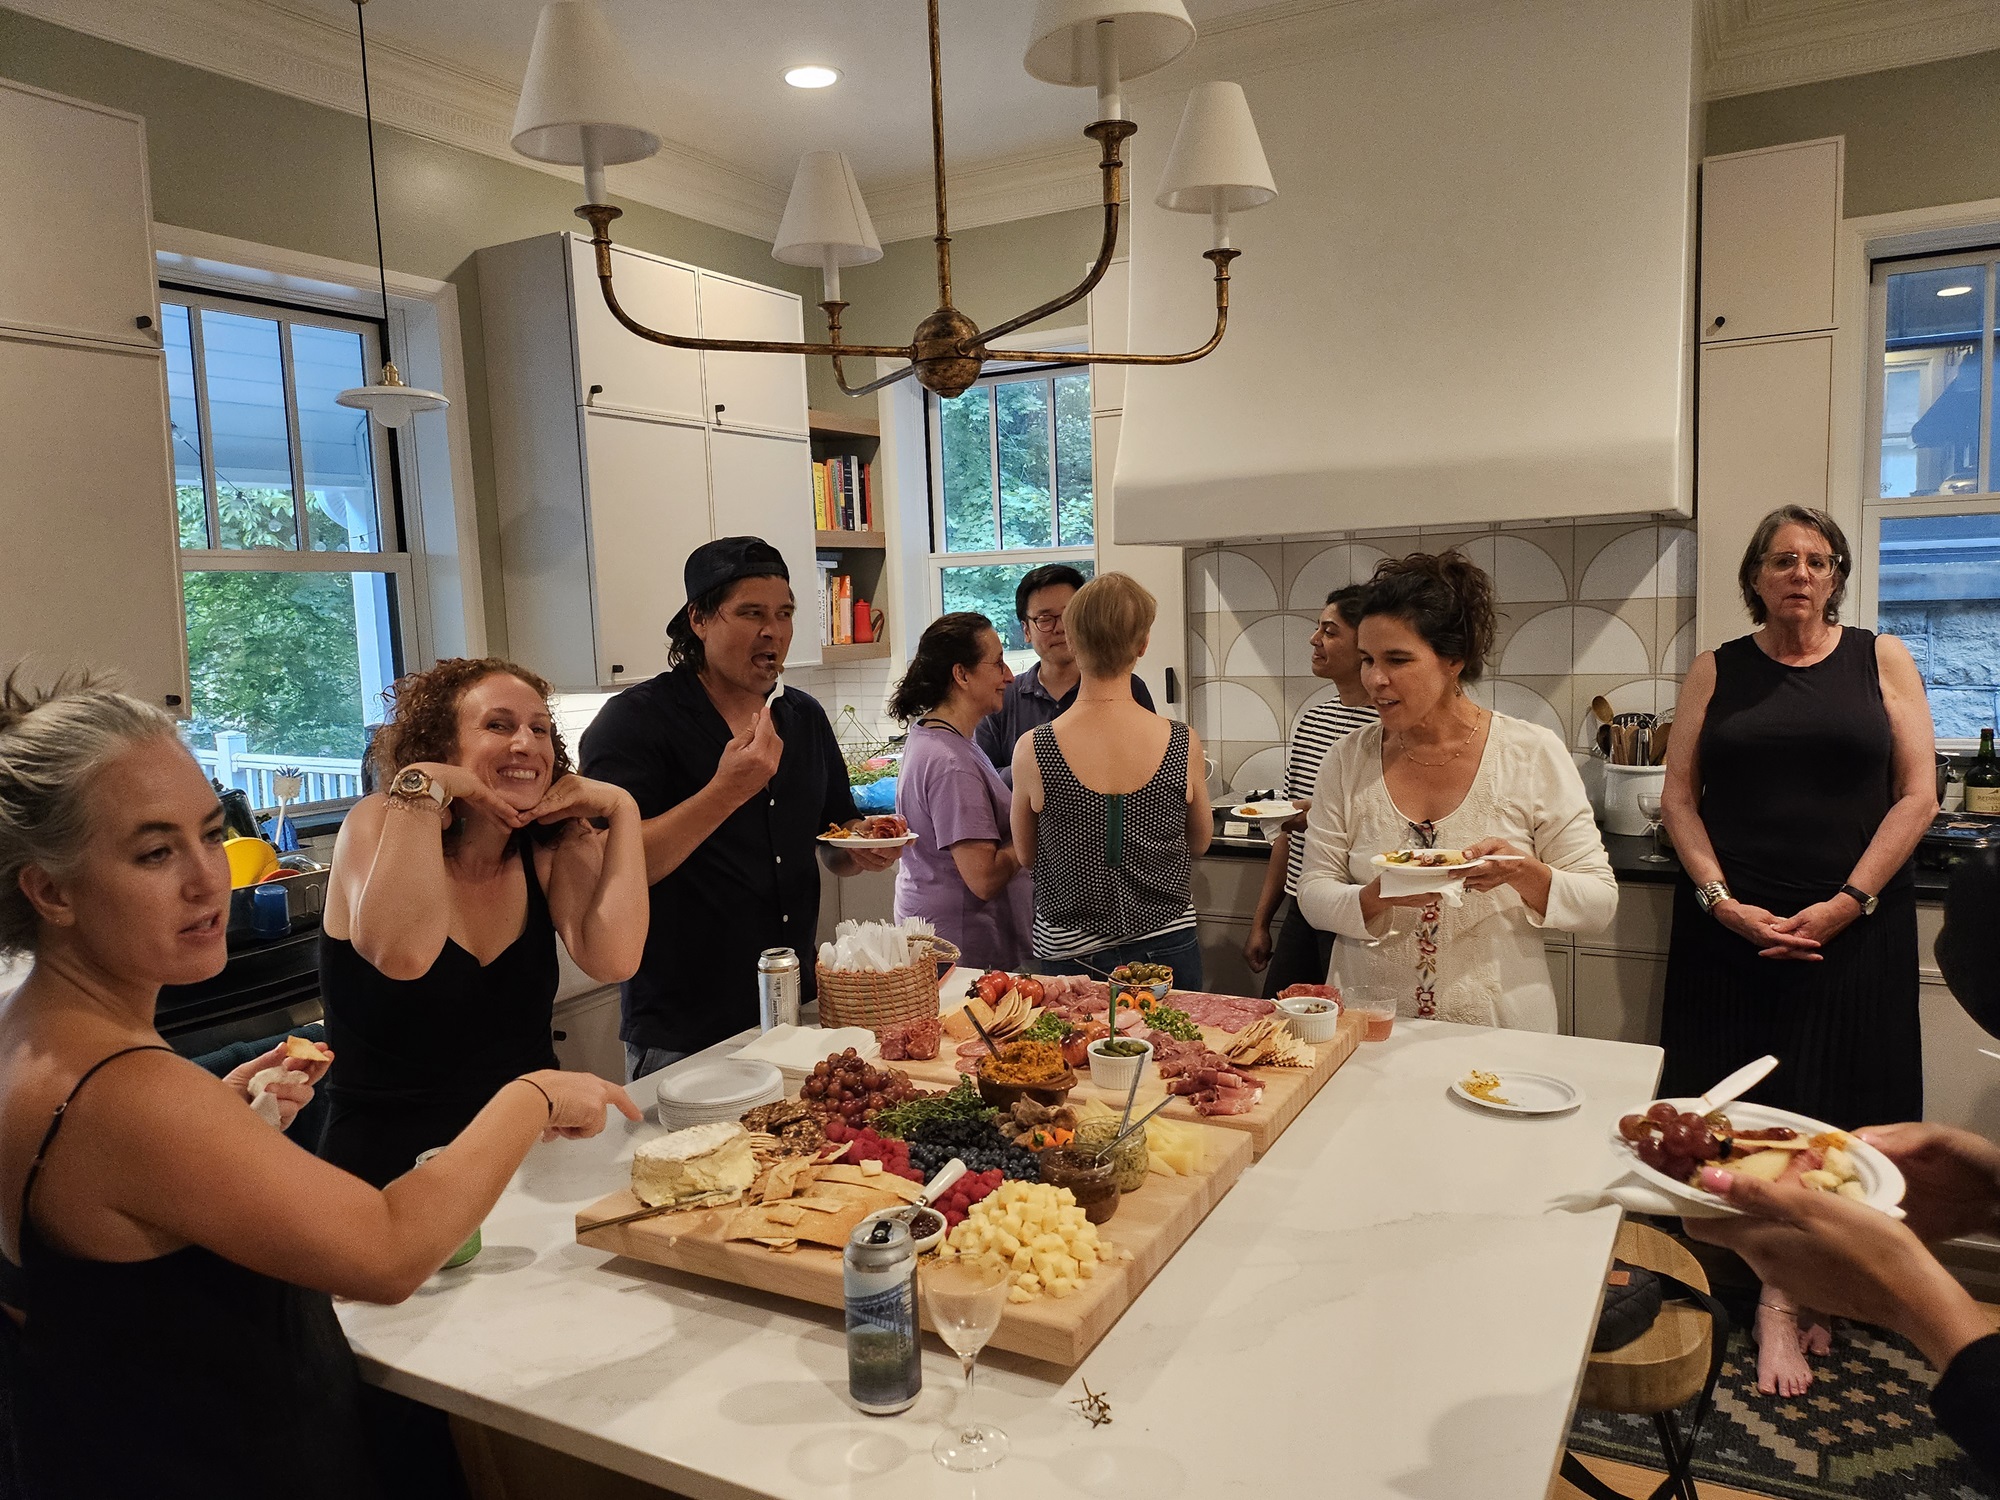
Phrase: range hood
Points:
(1471, 301)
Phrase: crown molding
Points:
(1748, 46)
(294, 52)
(993, 192)
(1753, 46)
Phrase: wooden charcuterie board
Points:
(1151, 1224)
(1286, 1090)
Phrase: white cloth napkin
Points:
(1423, 880)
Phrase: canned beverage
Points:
(885, 1369)
(778, 988)
(472, 1245)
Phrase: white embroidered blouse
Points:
(1481, 962)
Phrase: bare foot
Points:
(1781, 1363)
(1815, 1332)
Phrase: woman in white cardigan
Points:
(1438, 771)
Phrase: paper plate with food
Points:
(1516, 1093)
(1667, 1144)
(1267, 810)
(884, 831)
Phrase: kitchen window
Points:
(1931, 512)
(294, 582)
(1011, 490)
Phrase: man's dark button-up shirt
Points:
(1029, 705)
(752, 884)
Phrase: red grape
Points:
(1635, 1127)
(1653, 1154)
(1682, 1139)
(1663, 1113)
(1678, 1167)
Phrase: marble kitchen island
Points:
(1385, 1305)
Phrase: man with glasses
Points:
(1049, 686)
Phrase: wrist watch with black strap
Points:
(1862, 899)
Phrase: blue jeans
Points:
(1179, 951)
(639, 1061)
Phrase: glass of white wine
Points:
(1649, 809)
(965, 1298)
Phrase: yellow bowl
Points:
(250, 860)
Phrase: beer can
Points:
(778, 988)
(885, 1369)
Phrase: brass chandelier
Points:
(579, 88)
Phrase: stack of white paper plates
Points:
(716, 1091)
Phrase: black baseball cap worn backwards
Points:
(727, 560)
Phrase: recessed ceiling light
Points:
(1949, 291)
(812, 76)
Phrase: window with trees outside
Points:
(1010, 490)
(1931, 506)
(290, 566)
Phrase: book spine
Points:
(819, 498)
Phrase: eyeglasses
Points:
(1046, 621)
(1817, 563)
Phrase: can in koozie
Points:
(778, 987)
(885, 1368)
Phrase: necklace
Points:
(1403, 740)
(936, 722)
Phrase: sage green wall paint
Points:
(233, 159)
(1916, 137)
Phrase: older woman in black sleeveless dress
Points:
(165, 1323)
(1799, 780)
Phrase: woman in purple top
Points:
(961, 874)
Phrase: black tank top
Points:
(416, 1059)
(186, 1375)
(1797, 770)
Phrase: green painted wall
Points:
(1916, 137)
(232, 159)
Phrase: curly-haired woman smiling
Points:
(449, 889)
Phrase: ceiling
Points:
(732, 129)
(710, 70)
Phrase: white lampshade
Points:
(1217, 163)
(389, 401)
(825, 215)
(1062, 45)
(580, 98)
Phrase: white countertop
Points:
(1384, 1305)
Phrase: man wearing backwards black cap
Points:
(732, 792)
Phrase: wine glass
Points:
(1649, 809)
(965, 1298)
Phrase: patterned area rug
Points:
(1863, 1432)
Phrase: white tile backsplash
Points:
(1587, 608)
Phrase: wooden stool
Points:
(1670, 1364)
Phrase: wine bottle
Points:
(1982, 778)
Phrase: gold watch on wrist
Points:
(1711, 895)
(412, 786)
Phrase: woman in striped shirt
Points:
(1302, 953)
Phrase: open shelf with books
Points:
(848, 534)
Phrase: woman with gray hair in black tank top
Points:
(1111, 806)
(169, 1258)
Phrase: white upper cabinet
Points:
(603, 494)
(1768, 223)
(88, 519)
(76, 236)
(762, 392)
(618, 370)
(1764, 443)
(762, 486)
(648, 509)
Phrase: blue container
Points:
(270, 910)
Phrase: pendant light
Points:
(389, 400)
